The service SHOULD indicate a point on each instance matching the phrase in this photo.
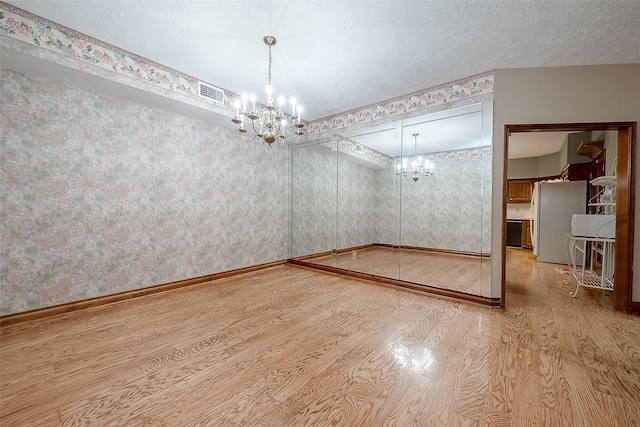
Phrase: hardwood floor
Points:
(289, 346)
(462, 273)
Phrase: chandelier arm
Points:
(248, 138)
(290, 133)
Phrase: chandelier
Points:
(414, 168)
(268, 123)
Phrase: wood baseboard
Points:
(357, 248)
(447, 293)
(635, 307)
(39, 313)
(327, 253)
(442, 251)
(389, 245)
(316, 255)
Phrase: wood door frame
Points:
(625, 202)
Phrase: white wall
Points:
(560, 95)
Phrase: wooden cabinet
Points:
(526, 234)
(576, 172)
(519, 190)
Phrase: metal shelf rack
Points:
(582, 251)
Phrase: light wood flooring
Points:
(290, 346)
(462, 273)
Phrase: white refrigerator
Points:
(552, 205)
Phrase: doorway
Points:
(624, 207)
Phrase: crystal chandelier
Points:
(268, 123)
(414, 168)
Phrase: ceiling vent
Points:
(210, 93)
(359, 147)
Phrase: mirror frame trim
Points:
(416, 287)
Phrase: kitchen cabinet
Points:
(519, 190)
(526, 234)
(576, 172)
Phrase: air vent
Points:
(358, 147)
(210, 93)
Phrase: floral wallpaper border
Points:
(460, 90)
(460, 154)
(348, 146)
(27, 27)
(34, 30)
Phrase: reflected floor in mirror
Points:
(464, 273)
(290, 346)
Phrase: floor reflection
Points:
(470, 274)
(412, 361)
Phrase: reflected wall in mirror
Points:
(313, 202)
(434, 231)
(368, 203)
(445, 221)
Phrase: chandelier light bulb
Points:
(269, 92)
(280, 104)
(299, 108)
(244, 102)
(293, 106)
(236, 104)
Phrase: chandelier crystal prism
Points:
(268, 123)
(414, 168)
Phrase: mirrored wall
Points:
(409, 200)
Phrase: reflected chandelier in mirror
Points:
(414, 168)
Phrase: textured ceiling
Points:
(339, 55)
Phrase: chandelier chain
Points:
(269, 65)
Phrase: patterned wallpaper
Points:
(313, 200)
(101, 196)
(356, 203)
(451, 209)
(313, 208)
(387, 220)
